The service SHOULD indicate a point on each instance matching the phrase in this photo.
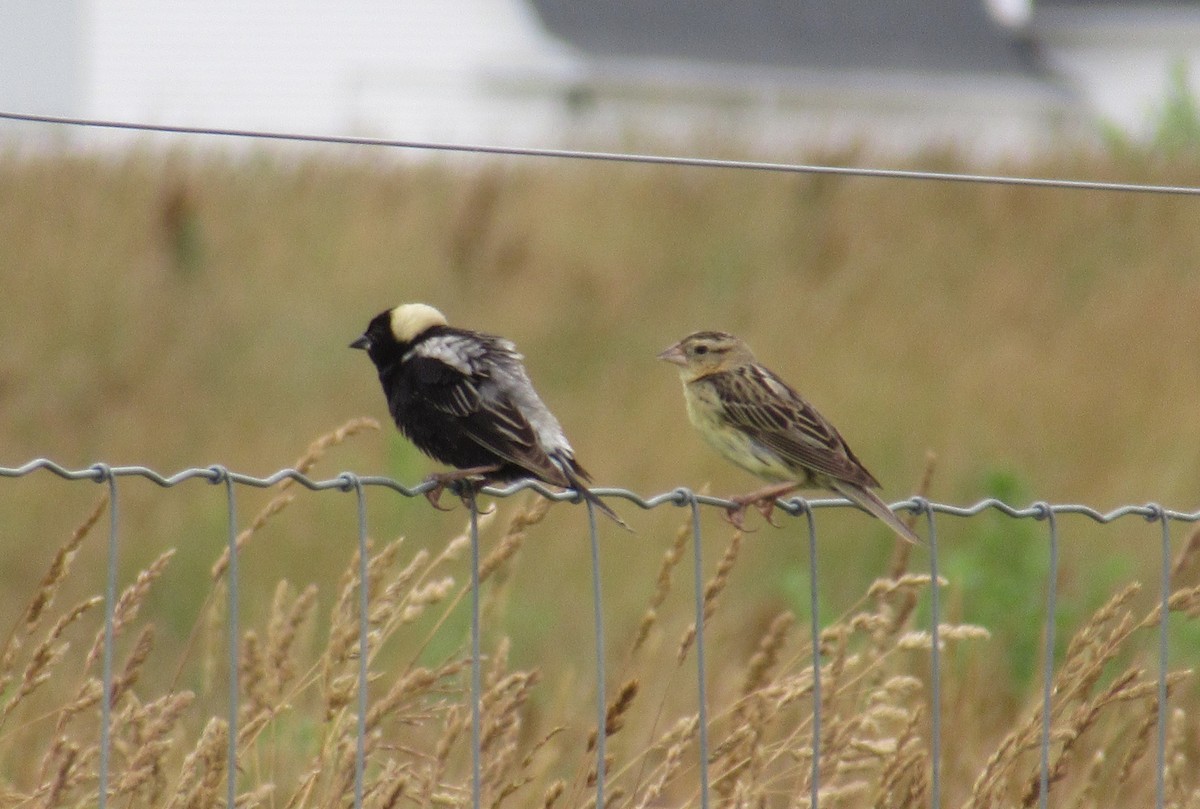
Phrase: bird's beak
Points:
(674, 355)
(363, 342)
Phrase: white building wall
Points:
(42, 56)
(480, 71)
(1121, 60)
(483, 71)
(304, 65)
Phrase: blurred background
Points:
(985, 76)
(178, 301)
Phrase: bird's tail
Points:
(868, 500)
(587, 494)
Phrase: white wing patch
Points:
(460, 354)
(497, 374)
(512, 379)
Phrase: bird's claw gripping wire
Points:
(736, 516)
(462, 482)
(763, 501)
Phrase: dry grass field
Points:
(181, 310)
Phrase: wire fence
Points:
(348, 482)
(1045, 513)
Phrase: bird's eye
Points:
(701, 350)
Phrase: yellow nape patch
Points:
(410, 319)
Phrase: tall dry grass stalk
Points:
(276, 505)
(43, 599)
(662, 586)
(712, 589)
(298, 689)
(1086, 693)
(304, 464)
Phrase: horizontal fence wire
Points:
(681, 496)
(606, 157)
(108, 475)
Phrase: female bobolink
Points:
(756, 420)
(464, 399)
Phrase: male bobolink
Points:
(753, 418)
(464, 399)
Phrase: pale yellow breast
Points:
(704, 411)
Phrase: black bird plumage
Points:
(464, 398)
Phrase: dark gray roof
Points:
(1123, 4)
(923, 35)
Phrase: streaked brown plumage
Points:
(756, 420)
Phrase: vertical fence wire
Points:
(360, 740)
(815, 628)
(601, 695)
(104, 475)
(1160, 743)
(701, 676)
(221, 475)
(1048, 655)
(476, 676)
(935, 665)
